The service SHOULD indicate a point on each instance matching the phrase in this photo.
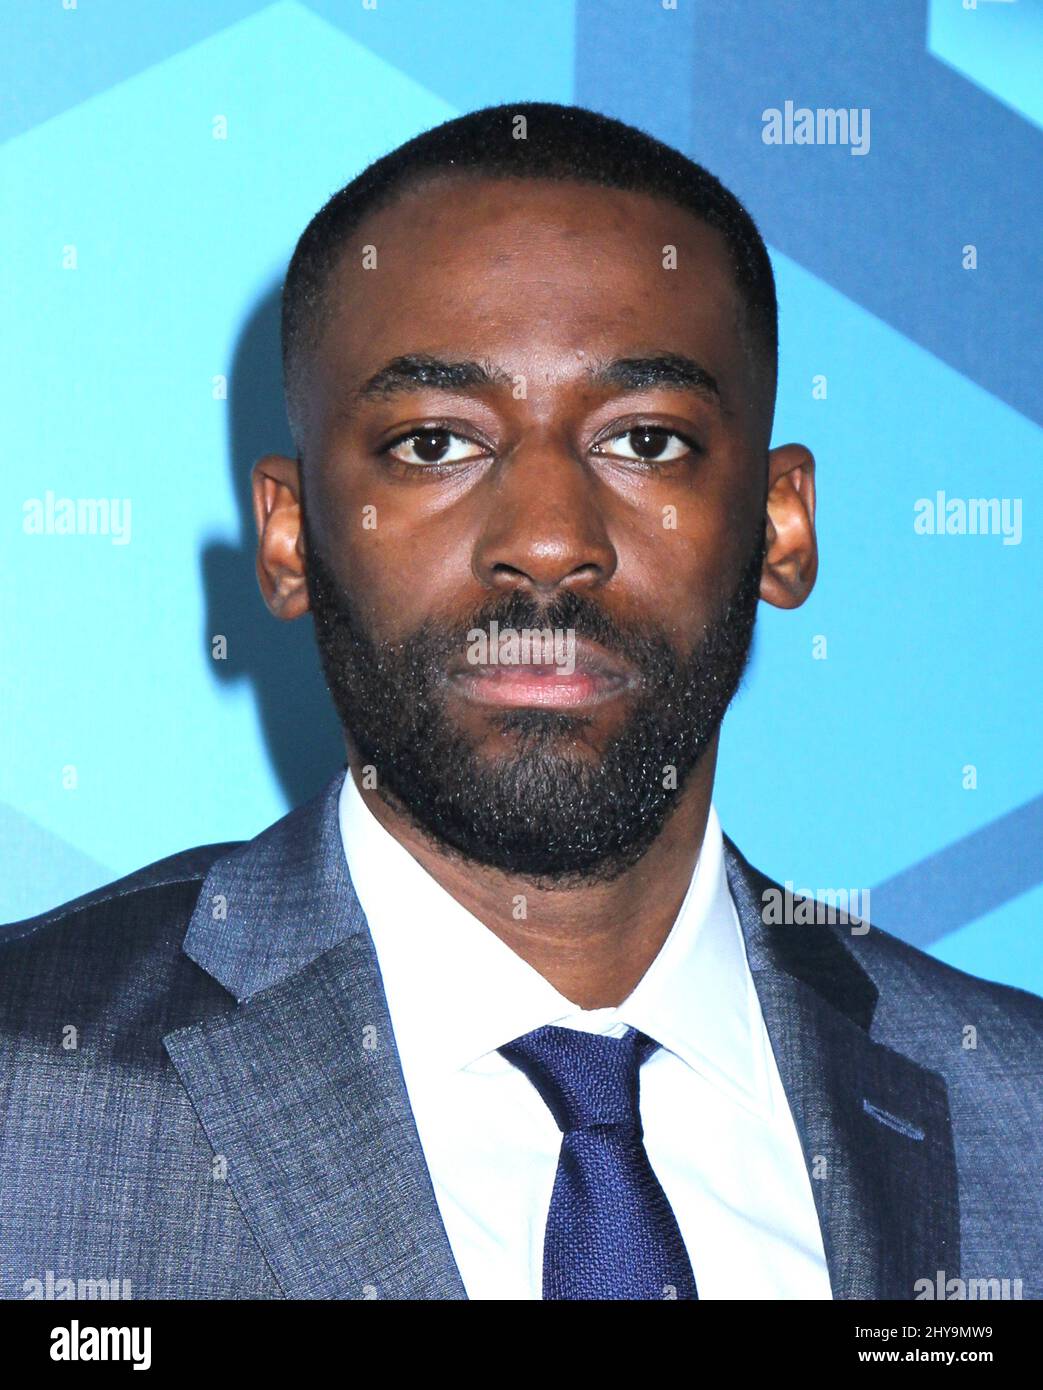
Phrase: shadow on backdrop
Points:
(279, 659)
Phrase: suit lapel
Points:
(874, 1125)
(299, 1088)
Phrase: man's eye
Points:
(433, 446)
(650, 442)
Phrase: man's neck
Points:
(594, 942)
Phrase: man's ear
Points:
(791, 552)
(276, 486)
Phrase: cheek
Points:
(397, 570)
(671, 584)
(678, 556)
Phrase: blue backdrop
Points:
(160, 163)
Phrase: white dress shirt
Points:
(718, 1128)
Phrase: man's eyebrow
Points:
(415, 371)
(667, 369)
(435, 373)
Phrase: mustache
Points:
(567, 611)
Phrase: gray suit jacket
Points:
(201, 1097)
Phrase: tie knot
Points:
(586, 1079)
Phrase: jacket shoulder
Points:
(906, 976)
(187, 867)
(883, 944)
(918, 991)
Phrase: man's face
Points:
(540, 409)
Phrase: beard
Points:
(546, 810)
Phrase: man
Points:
(502, 1013)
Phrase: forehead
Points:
(517, 270)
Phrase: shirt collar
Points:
(456, 992)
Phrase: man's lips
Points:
(597, 677)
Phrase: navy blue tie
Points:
(611, 1233)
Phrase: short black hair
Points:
(525, 140)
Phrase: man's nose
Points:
(544, 528)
